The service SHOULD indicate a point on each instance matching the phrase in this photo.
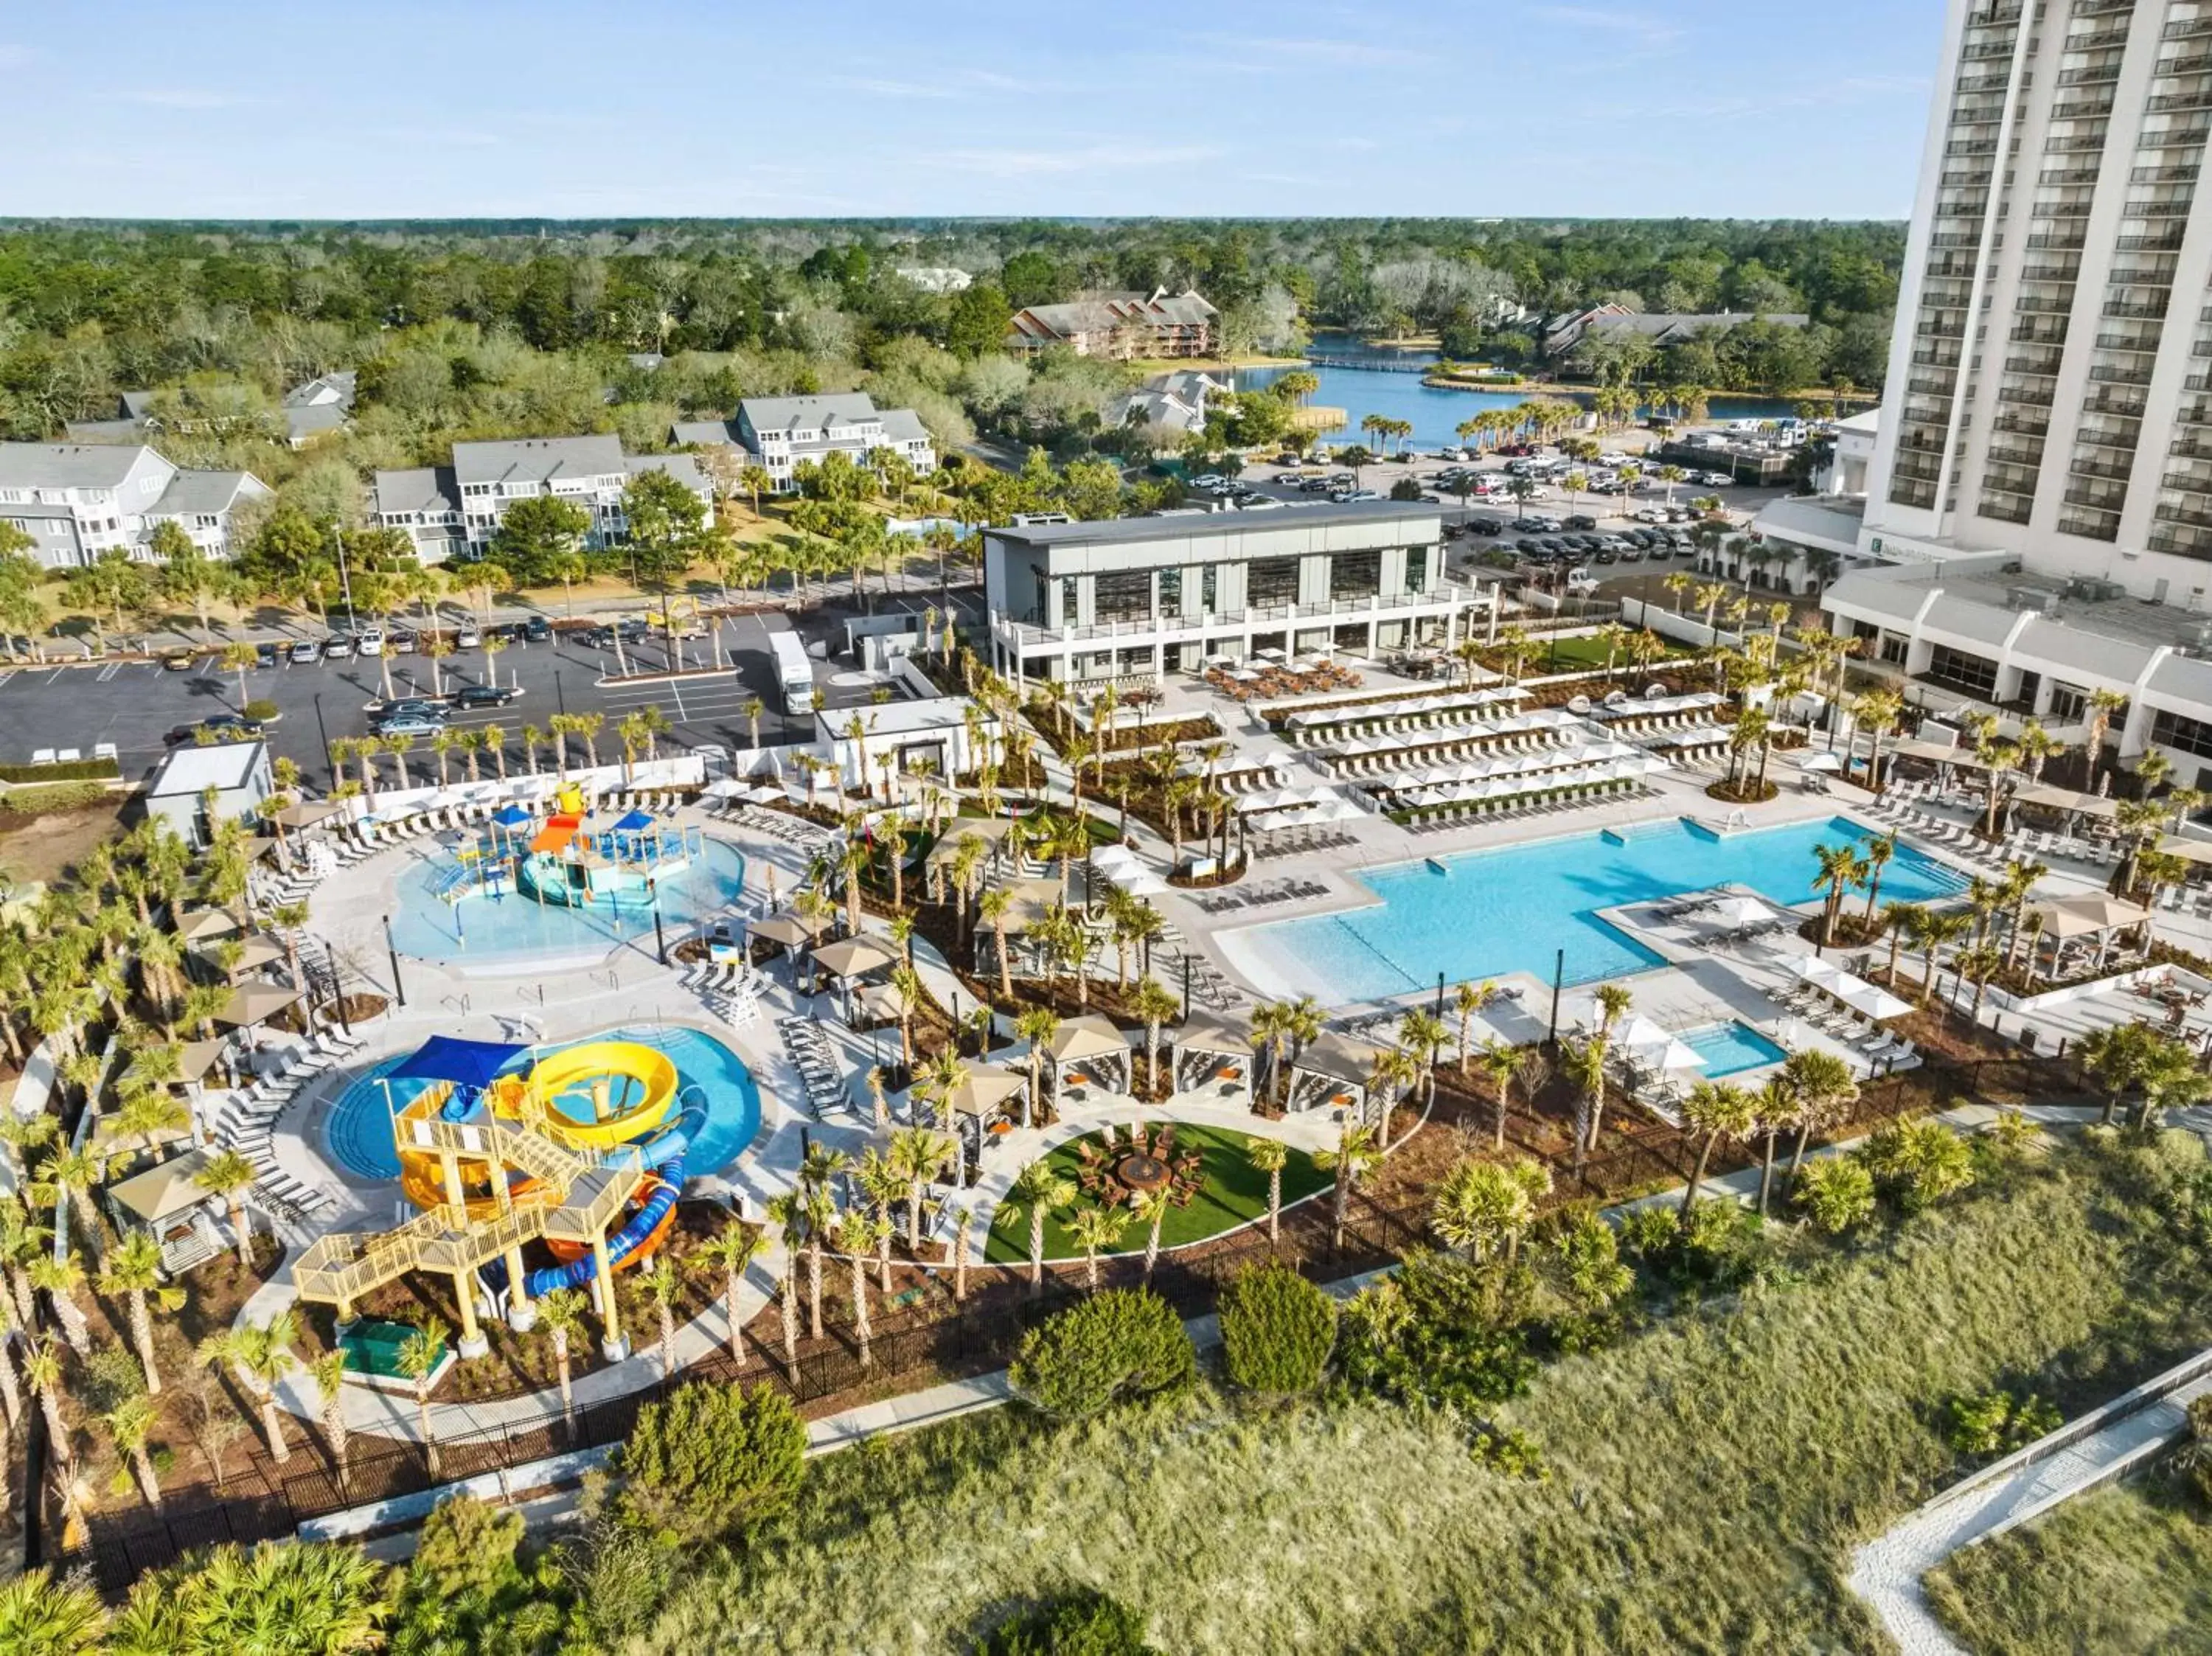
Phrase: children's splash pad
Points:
(573, 885)
(555, 1169)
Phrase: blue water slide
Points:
(577, 1272)
(674, 1141)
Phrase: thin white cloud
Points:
(1035, 163)
(1285, 50)
(1650, 30)
(880, 89)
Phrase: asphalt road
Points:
(135, 705)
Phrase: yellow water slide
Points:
(591, 1097)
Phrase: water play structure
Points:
(581, 1150)
(566, 859)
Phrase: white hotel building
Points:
(453, 510)
(2039, 509)
(1140, 597)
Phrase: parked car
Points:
(484, 696)
(1485, 526)
(305, 653)
(536, 629)
(225, 727)
(266, 655)
(1208, 480)
(467, 636)
(370, 641)
(403, 640)
(415, 705)
(1580, 520)
(409, 725)
(337, 647)
(180, 661)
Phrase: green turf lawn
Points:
(2118, 1571)
(1236, 1193)
(1587, 649)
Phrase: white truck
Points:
(794, 674)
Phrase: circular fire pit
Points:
(1141, 1172)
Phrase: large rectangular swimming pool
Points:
(1485, 914)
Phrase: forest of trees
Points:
(468, 328)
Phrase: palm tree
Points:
(1879, 852)
(730, 1252)
(1841, 869)
(664, 1287)
(130, 1423)
(1096, 1230)
(133, 1270)
(861, 1233)
(1585, 1061)
(1041, 1191)
(230, 1175)
(1718, 1110)
(1940, 928)
(1036, 1025)
(2103, 704)
(261, 1355)
(1354, 1153)
(1980, 963)
(1501, 1065)
(1484, 1208)
(1268, 1155)
(41, 1617)
(917, 1155)
(1394, 1072)
(1468, 1000)
(60, 1276)
(561, 1314)
(328, 1372)
(42, 1373)
(418, 1360)
(1825, 1089)
(787, 1211)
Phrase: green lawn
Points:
(1587, 650)
(1235, 1192)
(1707, 1476)
(2119, 1571)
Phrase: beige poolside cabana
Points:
(789, 931)
(991, 831)
(165, 1202)
(2071, 920)
(307, 813)
(853, 957)
(206, 925)
(1208, 1056)
(1092, 1043)
(1331, 1073)
(985, 1094)
(258, 949)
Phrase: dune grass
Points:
(2119, 1571)
(1708, 1475)
(1236, 1193)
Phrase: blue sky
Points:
(1745, 108)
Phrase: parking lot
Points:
(136, 704)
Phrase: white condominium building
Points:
(453, 510)
(78, 500)
(1138, 597)
(780, 434)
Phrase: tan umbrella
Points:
(786, 928)
(2196, 851)
(985, 1091)
(1033, 900)
(259, 949)
(308, 812)
(883, 1000)
(848, 957)
(195, 1057)
(160, 1193)
(255, 1002)
(204, 925)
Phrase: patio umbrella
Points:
(260, 949)
(308, 812)
(255, 1002)
(848, 957)
(883, 1000)
(1740, 911)
(511, 816)
(1868, 1000)
(1822, 761)
(787, 928)
(209, 922)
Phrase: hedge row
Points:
(75, 770)
(52, 797)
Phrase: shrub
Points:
(1836, 1193)
(1997, 1423)
(1441, 1331)
(1277, 1329)
(1125, 1343)
(73, 770)
(51, 796)
(1650, 1233)
(261, 710)
(1084, 1622)
(1919, 1163)
(712, 1458)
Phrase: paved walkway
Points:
(2102, 1446)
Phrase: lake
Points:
(1434, 412)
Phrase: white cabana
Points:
(1855, 992)
(1407, 706)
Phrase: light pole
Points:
(345, 579)
(399, 989)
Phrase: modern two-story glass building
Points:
(1139, 597)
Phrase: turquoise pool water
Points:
(511, 928)
(1485, 914)
(360, 1125)
(1729, 1048)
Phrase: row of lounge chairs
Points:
(1864, 1037)
(1386, 764)
(1207, 986)
(1282, 842)
(1282, 891)
(731, 989)
(794, 831)
(244, 1121)
(827, 1091)
(1570, 797)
